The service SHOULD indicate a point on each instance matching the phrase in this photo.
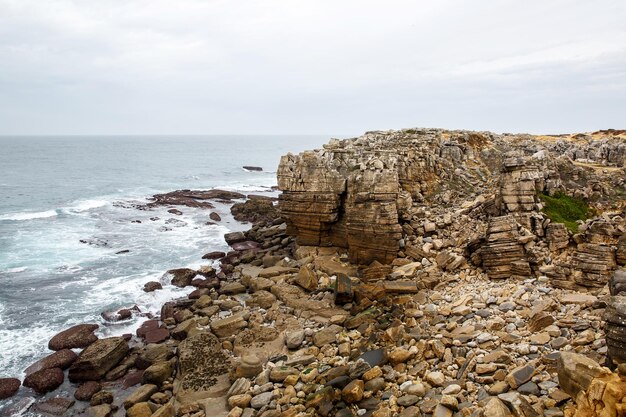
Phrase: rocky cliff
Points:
(415, 192)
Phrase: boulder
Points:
(158, 373)
(87, 390)
(152, 286)
(9, 387)
(95, 361)
(60, 359)
(78, 336)
(181, 277)
(234, 237)
(306, 278)
(141, 394)
(45, 380)
(576, 372)
(213, 255)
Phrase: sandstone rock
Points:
(45, 380)
(141, 409)
(157, 373)
(200, 362)
(228, 326)
(60, 359)
(577, 371)
(181, 277)
(234, 237)
(496, 408)
(9, 387)
(152, 286)
(306, 278)
(326, 336)
(353, 392)
(141, 394)
(101, 356)
(87, 390)
(56, 406)
(78, 336)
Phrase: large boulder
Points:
(182, 277)
(577, 371)
(8, 387)
(78, 336)
(45, 380)
(95, 361)
(60, 359)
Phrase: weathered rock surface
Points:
(78, 336)
(95, 361)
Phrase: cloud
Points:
(278, 66)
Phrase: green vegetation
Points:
(561, 208)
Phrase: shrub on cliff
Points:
(561, 208)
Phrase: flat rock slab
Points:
(576, 298)
(95, 361)
(54, 406)
(200, 363)
(401, 287)
(78, 336)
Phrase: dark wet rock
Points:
(255, 210)
(56, 406)
(213, 255)
(252, 168)
(9, 387)
(375, 357)
(234, 237)
(152, 286)
(189, 198)
(121, 314)
(175, 212)
(87, 390)
(45, 380)
(215, 217)
(94, 362)
(78, 336)
(60, 359)
(343, 290)
(182, 276)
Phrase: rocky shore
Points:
(420, 272)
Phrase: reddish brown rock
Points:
(213, 255)
(78, 336)
(152, 286)
(9, 387)
(156, 336)
(60, 359)
(87, 390)
(56, 406)
(45, 380)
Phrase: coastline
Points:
(324, 327)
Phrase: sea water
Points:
(58, 191)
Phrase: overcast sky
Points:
(313, 67)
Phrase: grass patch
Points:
(561, 208)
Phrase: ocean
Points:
(58, 191)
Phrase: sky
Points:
(340, 67)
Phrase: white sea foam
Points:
(86, 205)
(16, 270)
(25, 215)
(23, 345)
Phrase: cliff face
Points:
(415, 193)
